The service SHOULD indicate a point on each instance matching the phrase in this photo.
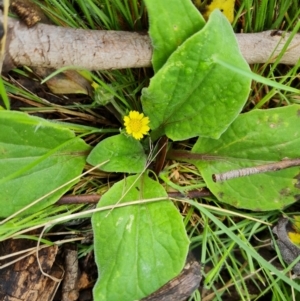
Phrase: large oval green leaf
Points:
(36, 157)
(255, 138)
(193, 94)
(138, 248)
(124, 154)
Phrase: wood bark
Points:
(54, 47)
(70, 290)
(182, 286)
(23, 280)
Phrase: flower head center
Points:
(136, 125)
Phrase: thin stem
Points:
(186, 155)
(95, 198)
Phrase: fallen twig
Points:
(95, 198)
(242, 172)
(55, 47)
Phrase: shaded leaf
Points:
(68, 82)
(255, 138)
(286, 243)
(194, 95)
(138, 248)
(36, 156)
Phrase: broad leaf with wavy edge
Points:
(138, 248)
(255, 138)
(192, 94)
(36, 157)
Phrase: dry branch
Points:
(243, 172)
(55, 47)
(180, 287)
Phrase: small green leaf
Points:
(192, 94)
(171, 23)
(138, 248)
(36, 157)
(255, 138)
(125, 154)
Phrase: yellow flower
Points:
(136, 124)
(225, 6)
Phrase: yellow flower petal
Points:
(136, 124)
